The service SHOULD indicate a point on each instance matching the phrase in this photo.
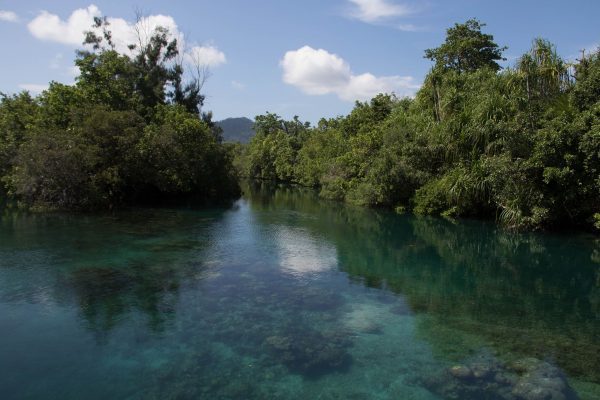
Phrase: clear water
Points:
(284, 296)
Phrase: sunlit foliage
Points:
(520, 145)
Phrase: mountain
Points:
(237, 129)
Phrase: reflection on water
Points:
(303, 254)
(285, 296)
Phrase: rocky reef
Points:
(486, 377)
(311, 353)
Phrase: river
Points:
(286, 296)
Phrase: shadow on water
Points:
(105, 295)
(110, 265)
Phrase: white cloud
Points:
(315, 71)
(372, 11)
(318, 72)
(51, 27)
(209, 56)
(8, 16)
(366, 86)
(33, 87)
(125, 33)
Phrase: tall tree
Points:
(151, 74)
(466, 49)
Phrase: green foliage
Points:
(55, 169)
(521, 145)
(317, 151)
(107, 78)
(546, 69)
(272, 157)
(129, 130)
(273, 151)
(587, 74)
(153, 76)
(18, 114)
(181, 155)
(466, 49)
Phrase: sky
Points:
(311, 58)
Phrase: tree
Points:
(272, 153)
(153, 75)
(587, 74)
(466, 49)
(181, 156)
(18, 113)
(55, 170)
(108, 78)
(545, 73)
(130, 129)
(520, 145)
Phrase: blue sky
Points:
(310, 58)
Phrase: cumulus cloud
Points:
(206, 55)
(315, 71)
(318, 72)
(33, 87)
(372, 11)
(51, 27)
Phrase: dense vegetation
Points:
(520, 144)
(129, 130)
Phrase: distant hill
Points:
(237, 129)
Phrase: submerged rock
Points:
(482, 370)
(280, 343)
(530, 391)
(310, 353)
(540, 380)
(461, 372)
(524, 365)
(487, 378)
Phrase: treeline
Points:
(520, 145)
(128, 131)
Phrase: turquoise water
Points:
(284, 296)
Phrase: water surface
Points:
(285, 296)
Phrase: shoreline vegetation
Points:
(520, 145)
(129, 131)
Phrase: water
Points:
(284, 296)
